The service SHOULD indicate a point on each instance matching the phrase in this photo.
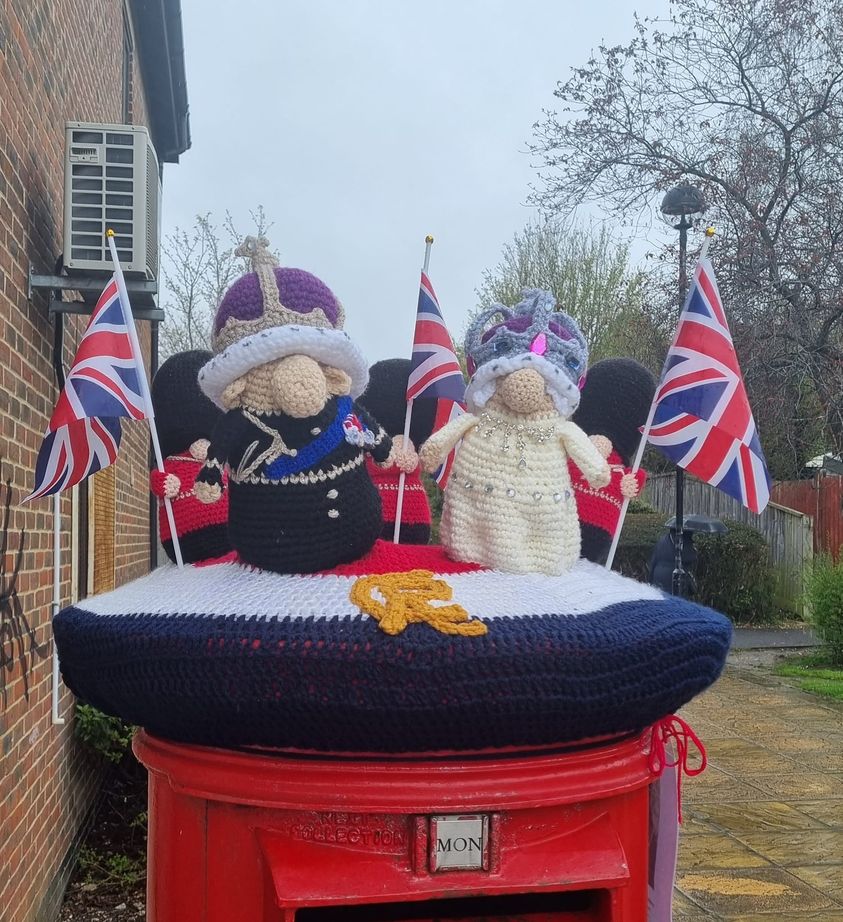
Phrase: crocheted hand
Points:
(404, 455)
(629, 486)
(602, 444)
(207, 492)
(199, 449)
(164, 485)
(432, 454)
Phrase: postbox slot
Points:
(570, 906)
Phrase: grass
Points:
(815, 674)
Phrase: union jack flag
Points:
(103, 384)
(702, 419)
(435, 370)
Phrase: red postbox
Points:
(245, 837)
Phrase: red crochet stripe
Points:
(386, 557)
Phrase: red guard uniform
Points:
(415, 511)
(599, 510)
(202, 529)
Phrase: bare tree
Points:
(590, 275)
(745, 99)
(199, 264)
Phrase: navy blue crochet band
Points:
(342, 685)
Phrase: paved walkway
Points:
(772, 638)
(762, 839)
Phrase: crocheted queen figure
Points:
(185, 419)
(292, 439)
(509, 503)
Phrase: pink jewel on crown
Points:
(539, 345)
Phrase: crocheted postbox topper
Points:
(274, 312)
(533, 334)
(402, 651)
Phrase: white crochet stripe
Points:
(331, 347)
(229, 590)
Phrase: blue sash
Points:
(310, 454)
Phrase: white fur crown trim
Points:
(564, 393)
(330, 347)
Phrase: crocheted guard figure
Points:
(509, 503)
(185, 419)
(614, 405)
(293, 438)
(386, 399)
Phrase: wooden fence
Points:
(821, 497)
(788, 532)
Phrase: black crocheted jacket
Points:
(300, 500)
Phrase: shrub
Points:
(641, 531)
(824, 595)
(111, 869)
(734, 575)
(109, 736)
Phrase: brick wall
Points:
(59, 60)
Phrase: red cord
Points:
(676, 729)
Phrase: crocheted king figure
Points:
(509, 503)
(185, 419)
(386, 399)
(614, 405)
(292, 438)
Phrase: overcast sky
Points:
(363, 125)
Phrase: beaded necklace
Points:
(521, 432)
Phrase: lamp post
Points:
(681, 208)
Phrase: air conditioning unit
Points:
(111, 180)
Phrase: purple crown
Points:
(270, 297)
(299, 291)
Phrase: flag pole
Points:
(399, 507)
(636, 465)
(144, 384)
(56, 719)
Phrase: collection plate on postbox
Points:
(459, 843)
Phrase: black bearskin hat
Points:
(183, 413)
(615, 402)
(386, 399)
